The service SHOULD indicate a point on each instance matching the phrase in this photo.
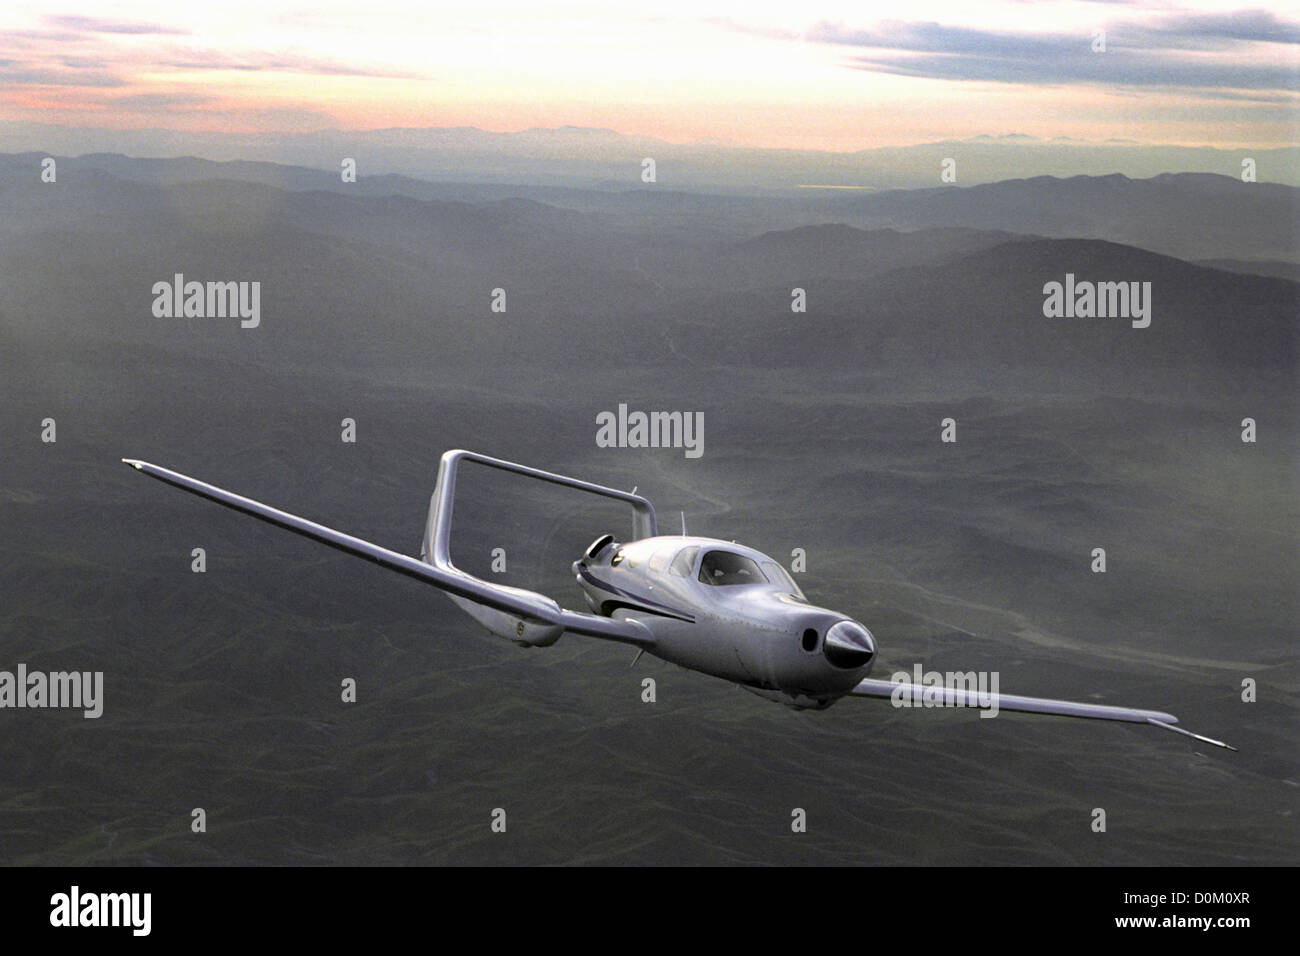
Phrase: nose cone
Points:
(849, 644)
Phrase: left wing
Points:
(918, 695)
(519, 615)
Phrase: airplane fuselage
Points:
(729, 611)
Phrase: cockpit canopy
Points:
(726, 568)
(722, 568)
(717, 566)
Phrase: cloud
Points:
(1249, 26)
(34, 76)
(160, 102)
(936, 38)
(1099, 68)
(1249, 96)
(102, 57)
(81, 24)
(1153, 54)
(275, 63)
(27, 38)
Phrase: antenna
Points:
(683, 524)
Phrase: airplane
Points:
(705, 604)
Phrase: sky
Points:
(814, 74)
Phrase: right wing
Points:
(536, 614)
(916, 694)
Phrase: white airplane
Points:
(708, 605)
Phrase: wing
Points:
(914, 694)
(535, 613)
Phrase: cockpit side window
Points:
(778, 575)
(684, 563)
(724, 568)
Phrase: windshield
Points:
(723, 568)
(777, 575)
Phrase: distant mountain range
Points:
(360, 282)
(600, 158)
(1189, 215)
(1186, 214)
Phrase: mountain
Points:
(1192, 216)
(403, 286)
(837, 250)
(1256, 267)
(584, 158)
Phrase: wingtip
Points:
(134, 463)
(1188, 733)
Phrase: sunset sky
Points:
(820, 74)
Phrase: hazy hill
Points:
(601, 158)
(385, 283)
(1192, 216)
(839, 251)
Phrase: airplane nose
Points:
(849, 644)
